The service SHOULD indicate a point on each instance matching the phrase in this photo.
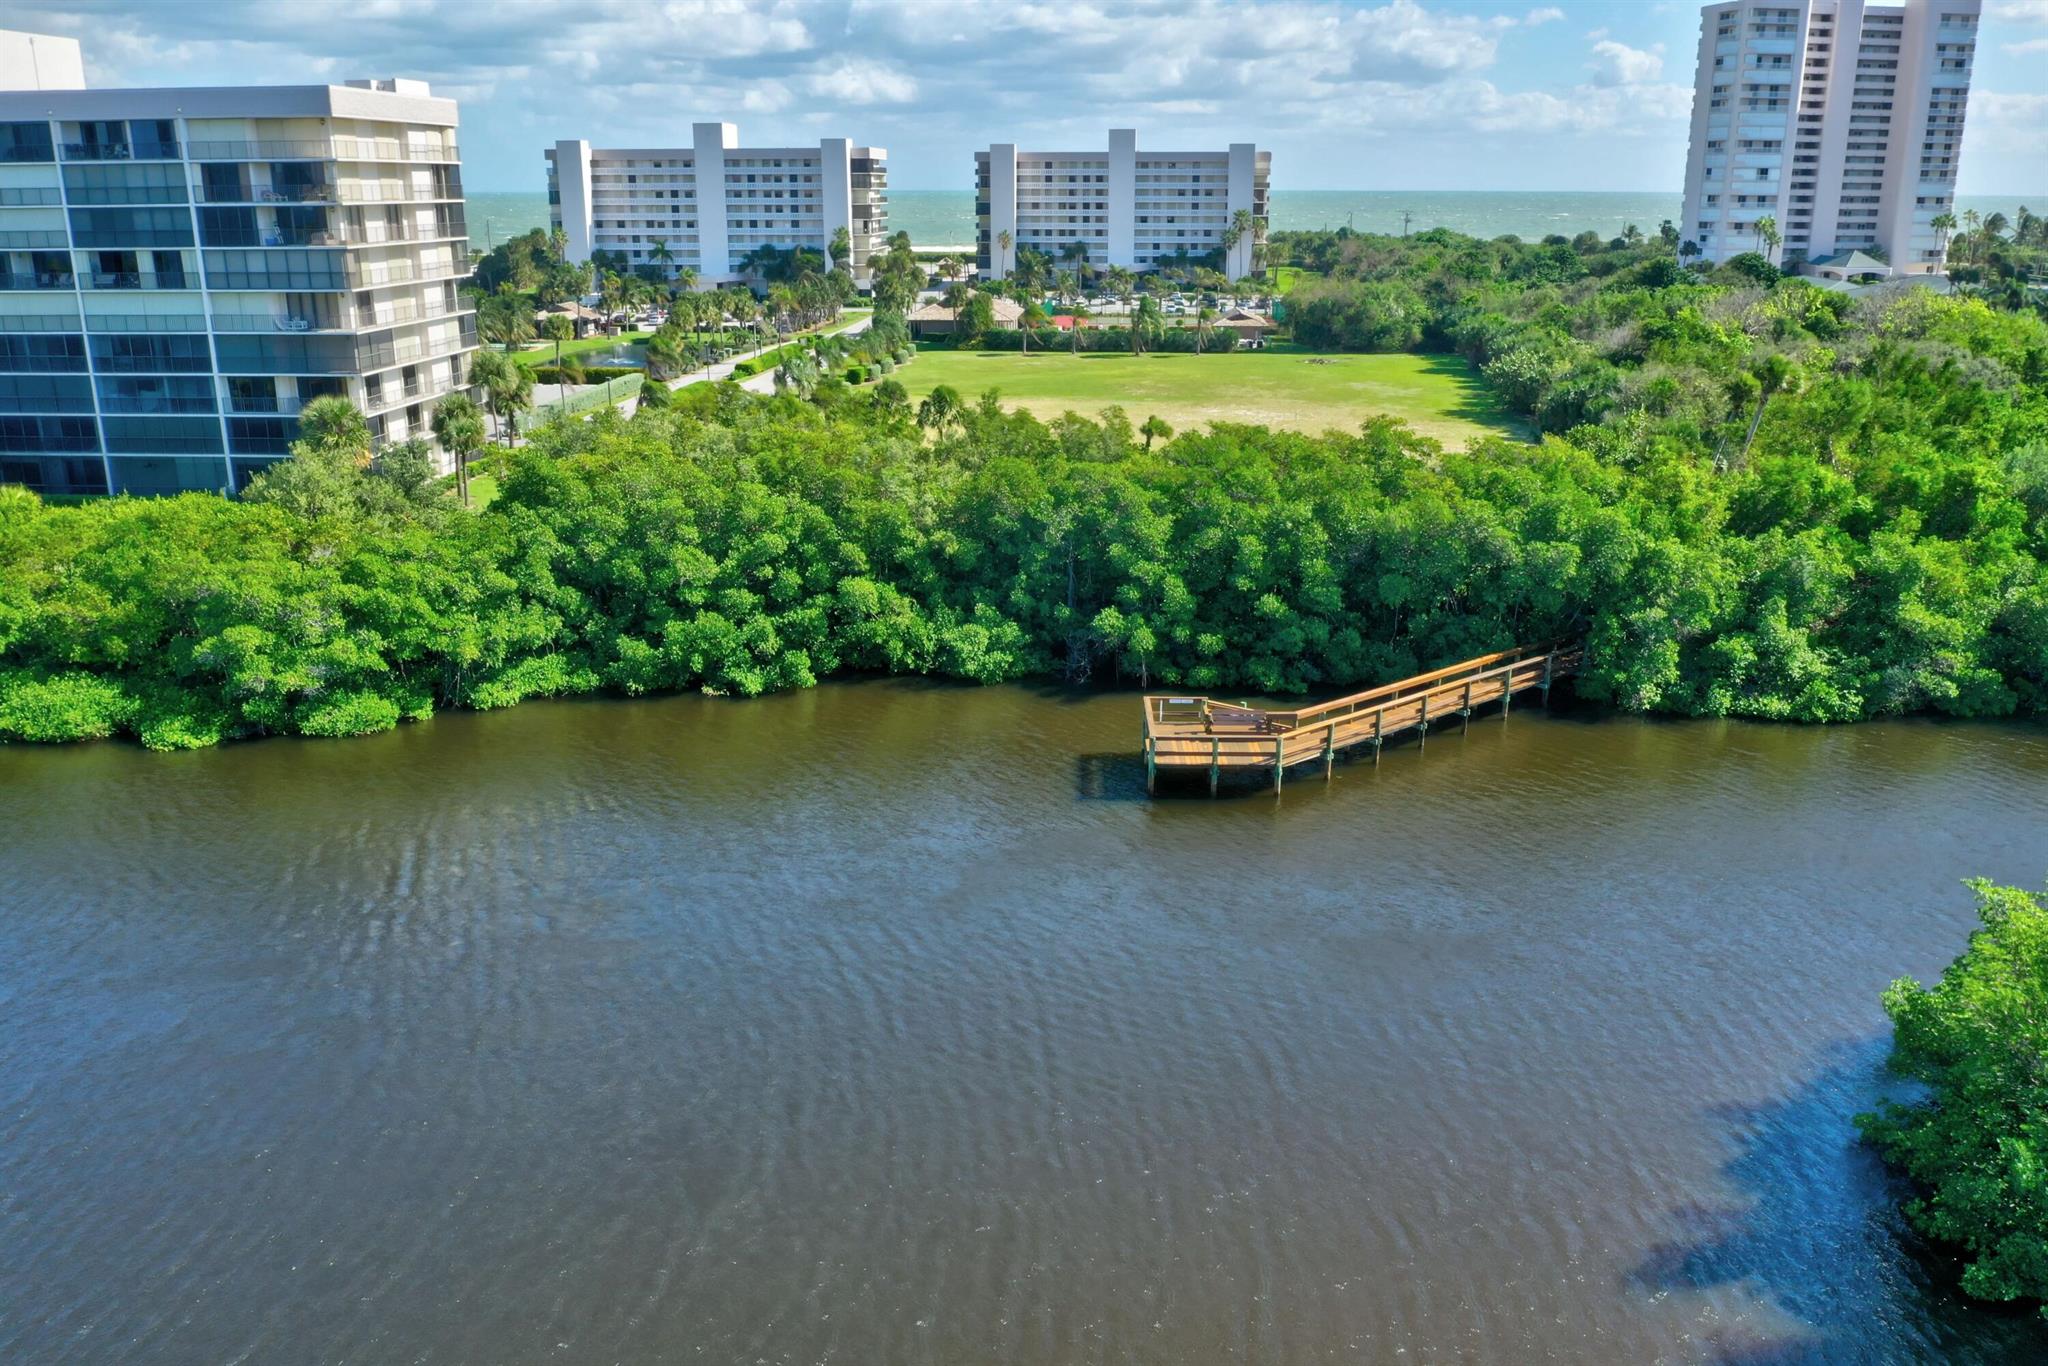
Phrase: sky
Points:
(1375, 95)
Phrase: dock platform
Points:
(1201, 734)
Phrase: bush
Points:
(856, 374)
(594, 374)
(1976, 1147)
(65, 706)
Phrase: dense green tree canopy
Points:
(1770, 503)
(1976, 1147)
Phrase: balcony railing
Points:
(41, 322)
(34, 239)
(314, 149)
(264, 404)
(117, 279)
(275, 322)
(401, 273)
(412, 349)
(134, 150)
(398, 194)
(145, 322)
(41, 279)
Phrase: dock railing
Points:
(1195, 733)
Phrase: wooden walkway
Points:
(1198, 734)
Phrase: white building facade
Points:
(714, 203)
(1840, 119)
(1129, 208)
(181, 270)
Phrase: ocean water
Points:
(939, 218)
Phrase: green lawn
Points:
(543, 352)
(1278, 387)
(1287, 279)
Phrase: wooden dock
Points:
(1197, 734)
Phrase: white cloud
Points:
(861, 81)
(2010, 124)
(1616, 63)
(2031, 45)
(2026, 11)
(1549, 14)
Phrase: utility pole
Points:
(1406, 219)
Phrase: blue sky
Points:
(1384, 94)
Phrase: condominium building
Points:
(1840, 119)
(713, 204)
(182, 269)
(1125, 207)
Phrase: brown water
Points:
(891, 1024)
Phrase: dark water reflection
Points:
(889, 1023)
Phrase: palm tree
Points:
(1204, 316)
(1076, 253)
(782, 303)
(459, 427)
(1632, 235)
(939, 409)
(1944, 225)
(1243, 225)
(1003, 240)
(1972, 220)
(611, 291)
(956, 298)
(1078, 313)
(841, 250)
(1774, 375)
(662, 256)
(1995, 225)
(1155, 426)
(1034, 316)
(1767, 233)
(1122, 286)
(557, 328)
(1688, 249)
(507, 386)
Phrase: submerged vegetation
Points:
(1756, 498)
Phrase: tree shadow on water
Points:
(1821, 1241)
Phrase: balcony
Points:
(264, 404)
(136, 150)
(289, 323)
(116, 279)
(398, 194)
(315, 149)
(41, 279)
(145, 322)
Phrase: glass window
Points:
(26, 142)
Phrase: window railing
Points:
(117, 279)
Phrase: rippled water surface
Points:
(888, 1023)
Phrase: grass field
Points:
(1278, 387)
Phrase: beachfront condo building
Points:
(181, 270)
(1841, 120)
(710, 207)
(1122, 206)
